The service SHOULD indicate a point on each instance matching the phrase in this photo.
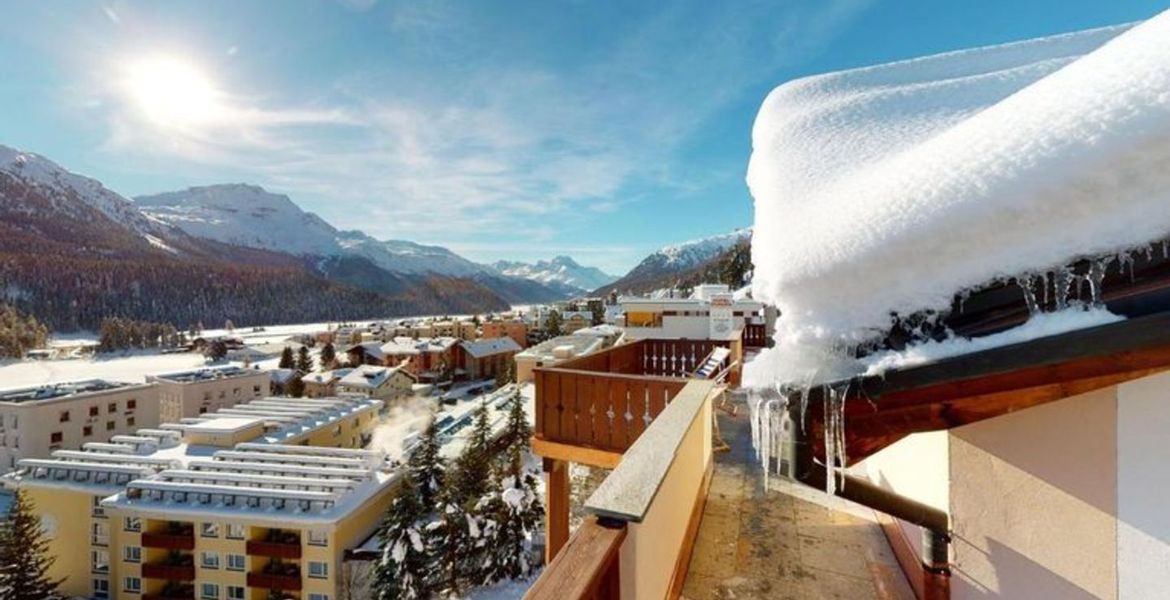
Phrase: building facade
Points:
(36, 421)
(192, 393)
(259, 498)
(515, 329)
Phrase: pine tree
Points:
(517, 431)
(452, 538)
(286, 359)
(304, 362)
(295, 387)
(24, 559)
(404, 570)
(328, 357)
(470, 482)
(552, 323)
(427, 467)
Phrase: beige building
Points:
(261, 497)
(192, 393)
(377, 382)
(63, 416)
(323, 384)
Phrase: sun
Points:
(172, 92)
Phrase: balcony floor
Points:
(786, 542)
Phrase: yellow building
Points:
(232, 505)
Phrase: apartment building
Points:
(259, 498)
(192, 393)
(710, 312)
(575, 320)
(486, 358)
(515, 329)
(323, 384)
(36, 421)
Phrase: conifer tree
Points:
(286, 359)
(427, 467)
(470, 481)
(295, 387)
(24, 559)
(452, 538)
(552, 323)
(403, 573)
(328, 356)
(304, 362)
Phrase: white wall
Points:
(917, 467)
(1143, 488)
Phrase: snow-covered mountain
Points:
(560, 269)
(243, 215)
(70, 194)
(671, 264)
(401, 256)
(694, 252)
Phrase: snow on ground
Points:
(889, 189)
(129, 368)
(505, 590)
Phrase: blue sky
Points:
(500, 129)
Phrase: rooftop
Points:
(54, 391)
(490, 346)
(208, 374)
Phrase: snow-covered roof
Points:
(490, 346)
(55, 391)
(326, 377)
(205, 374)
(281, 376)
(399, 347)
(373, 349)
(368, 377)
(575, 344)
(890, 189)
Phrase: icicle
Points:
(1061, 278)
(1025, 282)
(1096, 277)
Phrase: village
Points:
(376, 393)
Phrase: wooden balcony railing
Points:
(587, 568)
(755, 335)
(607, 399)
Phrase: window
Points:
(236, 392)
(100, 561)
(209, 591)
(132, 554)
(87, 431)
(100, 534)
(318, 596)
(129, 421)
(318, 570)
(209, 560)
(235, 592)
(131, 405)
(256, 390)
(109, 425)
(93, 411)
(318, 538)
(112, 407)
(235, 562)
(132, 524)
(55, 437)
(132, 585)
(209, 530)
(64, 418)
(101, 588)
(97, 509)
(235, 532)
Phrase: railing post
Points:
(556, 519)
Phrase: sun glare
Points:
(172, 92)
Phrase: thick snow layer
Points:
(1040, 325)
(890, 189)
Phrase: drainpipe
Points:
(935, 523)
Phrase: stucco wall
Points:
(1143, 488)
(918, 467)
(1033, 502)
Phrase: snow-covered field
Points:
(130, 368)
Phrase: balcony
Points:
(281, 549)
(173, 591)
(602, 402)
(170, 571)
(179, 539)
(277, 576)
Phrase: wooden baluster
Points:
(619, 400)
(568, 407)
(657, 394)
(552, 406)
(637, 423)
(602, 430)
(584, 408)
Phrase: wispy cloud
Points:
(505, 143)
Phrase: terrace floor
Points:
(784, 542)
